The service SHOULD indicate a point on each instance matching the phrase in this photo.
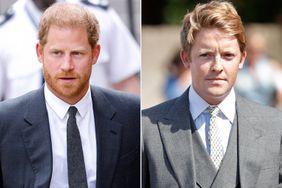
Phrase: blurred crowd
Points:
(260, 79)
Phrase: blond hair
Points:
(69, 15)
(215, 14)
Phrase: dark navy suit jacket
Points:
(25, 143)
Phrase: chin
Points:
(217, 92)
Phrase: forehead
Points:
(67, 37)
(66, 27)
(67, 32)
(212, 37)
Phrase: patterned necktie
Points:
(76, 167)
(216, 148)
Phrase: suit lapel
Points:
(175, 131)
(37, 140)
(108, 134)
(250, 144)
(205, 170)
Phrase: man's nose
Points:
(217, 63)
(67, 63)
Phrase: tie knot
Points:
(213, 110)
(72, 111)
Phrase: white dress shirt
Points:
(201, 116)
(58, 116)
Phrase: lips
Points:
(67, 80)
(66, 76)
(215, 79)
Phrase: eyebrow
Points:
(80, 49)
(204, 50)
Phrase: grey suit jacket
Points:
(25, 143)
(170, 145)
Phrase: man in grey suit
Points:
(210, 136)
(68, 133)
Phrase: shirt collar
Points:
(198, 105)
(228, 106)
(61, 108)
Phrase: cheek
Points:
(201, 69)
(50, 67)
(198, 72)
(84, 67)
(232, 71)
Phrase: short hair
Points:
(69, 15)
(215, 14)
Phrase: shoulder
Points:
(158, 111)
(13, 20)
(6, 16)
(121, 107)
(13, 13)
(117, 96)
(120, 100)
(152, 117)
(10, 108)
(257, 109)
(171, 109)
(270, 118)
(18, 101)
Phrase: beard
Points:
(67, 90)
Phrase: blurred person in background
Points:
(118, 66)
(20, 72)
(260, 78)
(178, 77)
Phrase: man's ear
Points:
(185, 58)
(39, 52)
(243, 58)
(95, 53)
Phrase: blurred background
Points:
(128, 10)
(164, 77)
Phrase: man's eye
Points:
(228, 55)
(57, 53)
(77, 53)
(204, 55)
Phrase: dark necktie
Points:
(76, 167)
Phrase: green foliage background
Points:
(261, 11)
